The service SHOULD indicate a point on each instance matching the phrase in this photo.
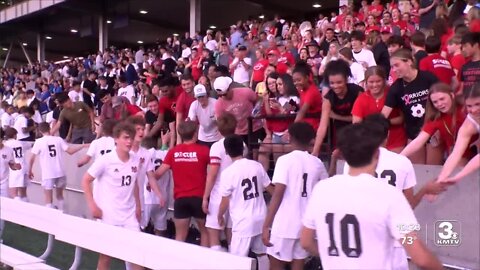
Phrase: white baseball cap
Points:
(199, 91)
(221, 84)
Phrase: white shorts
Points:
(17, 180)
(157, 214)
(399, 259)
(59, 182)
(211, 220)
(4, 189)
(131, 224)
(285, 249)
(242, 245)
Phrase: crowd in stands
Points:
(417, 62)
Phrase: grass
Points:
(34, 243)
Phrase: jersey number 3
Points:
(347, 223)
(389, 175)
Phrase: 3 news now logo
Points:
(448, 233)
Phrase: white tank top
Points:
(475, 123)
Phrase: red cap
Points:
(274, 52)
(386, 29)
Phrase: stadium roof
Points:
(73, 24)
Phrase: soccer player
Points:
(396, 170)
(118, 201)
(153, 211)
(295, 175)
(6, 161)
(219, 161)
(50, 150)
(101, 146)
(242, 187)
(18, 179)
(145, 168)
(188, 162)
(358, 217)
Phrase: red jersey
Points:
(366, 105)
(401, 24)
(196, 71)
(258, 73)
(188, 163)
(183, 103)
(439, 66)
(313, 98)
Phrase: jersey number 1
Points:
(247, 190)
(345, 224)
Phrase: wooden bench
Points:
(30, 215)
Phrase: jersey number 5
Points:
(52, 150)
(247, 185)
(351, 252)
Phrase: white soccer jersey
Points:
(19, 152)
(7, 120)
(164, 183)
(299, 172)
(219, 157)
(116, 181)
(6, 157)
(100, 147)
(49, 150)
(358, 219)
(244, 182)
(20, 123)
(394, 169)
(144, 158)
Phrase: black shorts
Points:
(257, 136)
(207, 144)
(188, 207)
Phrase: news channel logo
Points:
(448, 233)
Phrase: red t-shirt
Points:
(130, 110)
(287, 58)
(457, 61)
(282, 68)
(444, 40)
(446, 129)
(313, 98)
(439, 66)
(196, 72)
(401, 24)
(366, 105)
(258, 73)
(475, 26)
(188, 163)
(183, 103)
(167, 106)
(374, 8)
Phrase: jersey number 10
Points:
(351, 252)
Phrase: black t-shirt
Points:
(470, 74)
(170, 65)
(91, 86)
(325, 46)
(427, 18)
(419, 56)
(63, 131)
(151, 118)
(382, 58)
(343, 106)
(411, 98)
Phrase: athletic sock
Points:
(216, 247)
(17, 198)
(263, 262)
(49, 205)
(60, 205)
(25, 199)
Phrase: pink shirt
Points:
(241, 106)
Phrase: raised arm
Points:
(322, 128)
(416, 144)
